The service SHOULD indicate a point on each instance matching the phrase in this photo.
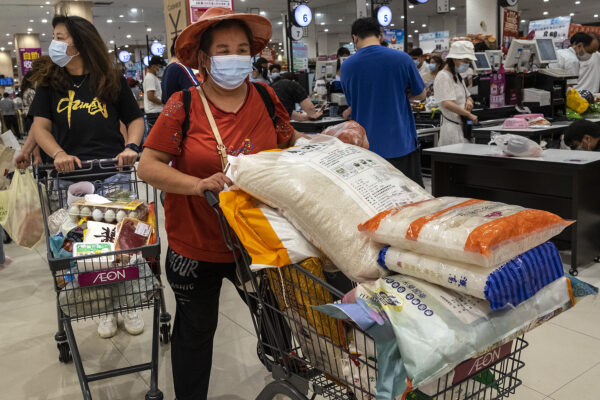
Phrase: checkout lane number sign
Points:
(124, 56)
(384, 16)
(303, 15)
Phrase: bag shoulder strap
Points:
(187, 100)
(221, 149)
(268, 100)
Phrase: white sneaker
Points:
(134, 323)
(108, 326)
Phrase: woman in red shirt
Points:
(220, 45)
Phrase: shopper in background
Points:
(290, 93)
(581, 50)
(379, 84)
(7, 106)
(435, 66)
(152, 90)
(220, 46)
(342, 52)
(176, 76)
(82, 73)
(452, 95)
(260, 72)
(419, 60)
(583, 135)
(274, 72)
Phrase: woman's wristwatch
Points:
(133, 147)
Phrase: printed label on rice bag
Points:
(466, 308)
(361, 174)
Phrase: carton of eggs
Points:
(105, 214)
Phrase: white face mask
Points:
(229, 72)
(58, 53)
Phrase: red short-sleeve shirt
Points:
(192, 226)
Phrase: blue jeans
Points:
(2, 256)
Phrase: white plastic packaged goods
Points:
(479, 232)
(514, 282)
(326, 188)
(436, 329)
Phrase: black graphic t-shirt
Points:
(81, 124)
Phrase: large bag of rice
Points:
(514, 282)
(436, 329)
(269, 238)
(479, 232)
(326, 188)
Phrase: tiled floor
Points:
(562, 361)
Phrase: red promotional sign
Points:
(511, 28)
(199, 7)
(575, 28)
(27, 57)
(475, 365)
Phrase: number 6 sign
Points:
(303, 15)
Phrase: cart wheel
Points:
(64, 352)
(165, 333)
(573, 272)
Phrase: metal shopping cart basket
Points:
(97, 285)
(310, 354)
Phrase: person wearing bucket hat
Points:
(227, 116)
(452, 95)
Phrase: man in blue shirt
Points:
(176, 76)
(379, 84)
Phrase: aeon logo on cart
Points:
(113, 275)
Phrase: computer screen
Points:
(546, 51)
(2, 81)
(519, 52)
(482, 63)
(9, 81)
(495, 57)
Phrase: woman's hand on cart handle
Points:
(66, 163)
(214, 183)
(127, 157)
(22, 160)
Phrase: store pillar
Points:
(482, 17)
(27, 46)
(176, 19)
(81, 9)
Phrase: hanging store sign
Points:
(199, 7)
(26, 57)
(302, 15)
(556, 28)
(124, 56)
(384, 16)
(434, 41)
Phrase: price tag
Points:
(143, 229)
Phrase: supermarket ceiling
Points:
(129, 21)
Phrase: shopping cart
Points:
(97, 285)
(310, 354)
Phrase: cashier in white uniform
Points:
(589, 69)
(580, 51)
(452, 94)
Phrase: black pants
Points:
(409, 165)
(12, 124)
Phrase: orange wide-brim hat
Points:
(188, 42)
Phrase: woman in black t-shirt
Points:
(80, 101)
(78, 106)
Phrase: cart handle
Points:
(87, 165)
(212, 198)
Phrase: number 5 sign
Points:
(384, 15)
(302, 15)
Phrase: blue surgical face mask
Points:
(416, 62)
(432, 67)
(229, 72)
(462, 68)
(58, 53)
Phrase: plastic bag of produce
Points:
(325, 188)
(436, 329)
(479, 232)
(349, 132)
(269, 238)
(24, 222)
(514, 282)
(517, 146)
(575, 102)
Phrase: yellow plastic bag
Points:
(575, 102)
(24, 221)
(4, 196)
